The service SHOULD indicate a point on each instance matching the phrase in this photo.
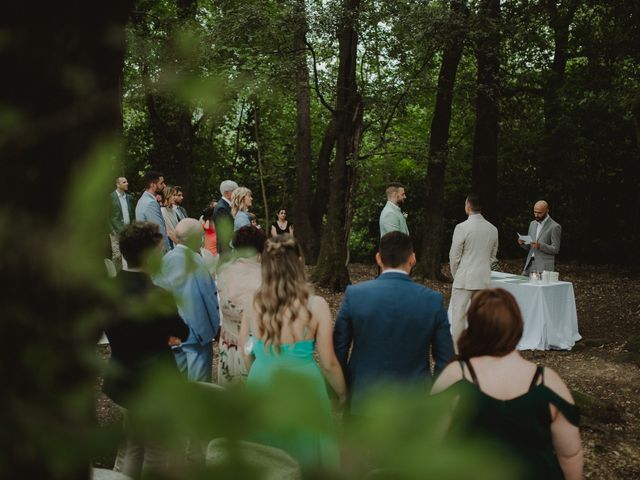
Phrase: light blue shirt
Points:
(148, 210)
(242, 220)
(186, 276)
(392, 220)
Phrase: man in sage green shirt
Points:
(392, 219)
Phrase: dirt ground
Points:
(602, 370)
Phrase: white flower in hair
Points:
(405, 214)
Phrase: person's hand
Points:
(535, 245)
(520, 242)
(174, 342)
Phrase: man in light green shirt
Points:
(392, 218)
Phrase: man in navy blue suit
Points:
(392, 322)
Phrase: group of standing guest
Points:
(386, 330)
(527, 408)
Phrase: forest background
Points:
(316, 106)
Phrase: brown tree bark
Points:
(172, 120)
(323, 177)
(429, 265)
(303, 190)
(331, 270)
(485, 142)
(61, 86)
(256, 131)
(560, 18)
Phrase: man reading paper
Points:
(545, 236)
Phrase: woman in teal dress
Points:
(526, 409)
(280, 332)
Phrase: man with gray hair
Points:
(185, 275)
(222, 218)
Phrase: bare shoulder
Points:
(553, 381)
(319, 305)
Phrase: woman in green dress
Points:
(280, 331)
(525, 408)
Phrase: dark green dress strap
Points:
(570, 411)
(472, 372)
(539, 373)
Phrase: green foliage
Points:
(234, 58)
(398, 434)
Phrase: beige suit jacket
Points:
(473, 251)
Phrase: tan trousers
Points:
(116, 256)
(460, 300)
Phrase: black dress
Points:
(521, 425)
(280, 231)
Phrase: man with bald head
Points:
(185, 275)
(545, 234)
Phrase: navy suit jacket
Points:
(392, 322)
(223, 222)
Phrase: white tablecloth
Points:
(548, 311)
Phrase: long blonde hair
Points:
(283, 296)
(237, 199)
(167, 193)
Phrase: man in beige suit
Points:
(473, 251)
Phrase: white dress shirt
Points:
(394, 270)
(538, 230)
(540, 225)
(125, 208)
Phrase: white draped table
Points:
(548, 311)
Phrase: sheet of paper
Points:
(525, 238)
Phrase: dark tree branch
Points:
(401, 97)
(315, 78)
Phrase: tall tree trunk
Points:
(555, 145)
(171, 119)
(485, 142)
(302, 204)
(321, 196)
(429, 265)
(256, 126)
(331, 270)
(61, 86)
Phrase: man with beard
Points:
(545, 234)
(392, 219)
(148, 209)
(179, 197)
